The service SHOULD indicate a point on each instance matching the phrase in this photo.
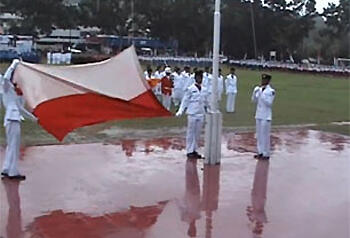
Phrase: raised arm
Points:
(256, 94)
(8, 75)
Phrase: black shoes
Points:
(261, 157)
(194, 155)
(16, 177)
(198, 155)
(258, 156)
(4, 174)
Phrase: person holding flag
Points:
(15, 113)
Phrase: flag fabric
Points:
(68, 97)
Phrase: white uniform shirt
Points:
(187, 80)
(162, 74)
(159, 74)
(209, 84)
(149, 77)
(231, 84)
(194, 102)
(178, 81)
(264, 100)
(206, 80)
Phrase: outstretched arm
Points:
(24, 112)
(184, 103)
(8, 75)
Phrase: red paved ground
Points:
(146, 188)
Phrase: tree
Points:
(39, 16)
(338, 28)
(109, 15)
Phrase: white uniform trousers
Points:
(166, 101)
(219, 96)
(13, 137)
(231, 101)
(194, 128)
(263, 128)
(177, 96)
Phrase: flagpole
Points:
(214, 117)
(253, 29)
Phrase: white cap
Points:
(167, 70)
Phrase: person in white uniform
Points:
(159, 74)
(206, 76)
(195, 103)
(186, 77)
(231, 91)
(148, 74)
(263, 96)
(15, 112)
(49, 57)
(209, 85)
(178, 87)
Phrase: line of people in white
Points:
(59, 58)
(182, 80)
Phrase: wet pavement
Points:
(147, 189)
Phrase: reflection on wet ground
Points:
(147, 188)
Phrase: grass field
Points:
(301, 99)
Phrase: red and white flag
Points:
(68, 97)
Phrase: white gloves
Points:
(179, 113)
(257, 91)
(15, 62)
(256, 88)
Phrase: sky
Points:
(320, 4)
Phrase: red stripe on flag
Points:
(63, 115)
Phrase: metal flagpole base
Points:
(213, 138)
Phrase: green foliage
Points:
(281, 25)
(338, 31)
(41, 15)
(109, 15)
